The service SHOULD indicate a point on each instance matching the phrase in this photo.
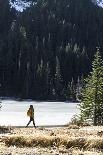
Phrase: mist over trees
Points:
(47, 50)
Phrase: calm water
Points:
(46, 113)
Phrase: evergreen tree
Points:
(58, 80)
(61, 33)
(71, 91)
(91, 106)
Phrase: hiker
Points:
(30, 113)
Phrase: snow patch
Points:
(20, 5)
(100, 4)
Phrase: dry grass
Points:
(79, 140)
(72, 126)
(5, 129)
(52, 141)
(41, 141)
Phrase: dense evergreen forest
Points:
(47, 50)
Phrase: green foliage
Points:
(71, 91)
(91, 105)
(44, 49)
(58, 80)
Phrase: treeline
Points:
(47, 50)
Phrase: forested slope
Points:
(46, 50)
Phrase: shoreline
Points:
(39, 126)
(35, 100)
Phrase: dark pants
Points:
(31, 119)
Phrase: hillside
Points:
(47, 50)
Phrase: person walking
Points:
(30, 113)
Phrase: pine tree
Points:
(91, 106)
(71, 91)
(58, 80)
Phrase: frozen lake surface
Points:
(46, 113)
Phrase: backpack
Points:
(29, 113)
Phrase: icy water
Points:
(46, 113)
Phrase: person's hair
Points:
(31, 106)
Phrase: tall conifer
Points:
(91, 106)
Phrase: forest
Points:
(47, 50)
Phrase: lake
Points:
(14, 113)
